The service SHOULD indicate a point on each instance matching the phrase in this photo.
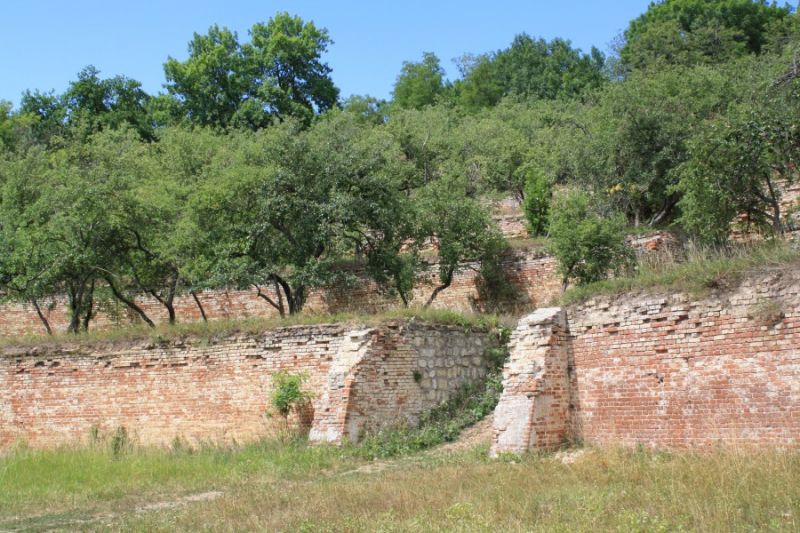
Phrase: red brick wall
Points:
(673, 371)
(219, 390)
(669, 370)
(529, 272)
(190, 389)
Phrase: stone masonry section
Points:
(666, 370)
(362, 379)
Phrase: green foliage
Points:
(244, 175)
(278, 74)
(287, 392)
(538, 195)
(736, 162)
(586, 245)
(691, 32)
(419, 84)
(529, 68)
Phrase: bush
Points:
(288, 393)
(587, 245)
(538, 196)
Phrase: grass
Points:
(221, 328)
(695, 271)
(293, 487)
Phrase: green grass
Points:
(221, 328)
(698, 272)
(292, 487)
(89, 476)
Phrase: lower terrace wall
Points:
(669, 370)
(362, 378)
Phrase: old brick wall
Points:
(530, 275)
(675, 371)
(410, 369)
(533, 411)
(219, 390)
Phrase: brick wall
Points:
(219, 390)
(534, 407)
(409, 371)
(671, 370)
(530, 275)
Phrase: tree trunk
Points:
(41, 316)
(129, 302)
(89, 308)
(75, 307)
(277, 305)
(448, 280)
(199, 306)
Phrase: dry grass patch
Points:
(694, 270)
(603, 490)
(215, 329)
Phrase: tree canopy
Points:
(248, 172)
(278, 74)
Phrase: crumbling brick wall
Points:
(219, 390)
(529, 272)
(410, 368)
(534, 408)
(664, 370)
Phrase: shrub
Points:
(288, 393)
(120, 442)
(587, 245)
(538, 195)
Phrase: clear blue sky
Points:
(45, 43)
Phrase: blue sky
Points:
(45, 43)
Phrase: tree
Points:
(691, 32)
(419, 84)
(289, 75)
(737, 163)
(367, 108)
(63, 211)
(49, 112)
(531, 69)
(627, 147)
(295, 203)
(586, 245)
(98, 104)
(279, 74)
(460, 227)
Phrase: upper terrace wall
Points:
(530, 272)
(361, 378)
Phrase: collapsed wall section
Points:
(533, 411)
(411, 367)
(361, 379)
